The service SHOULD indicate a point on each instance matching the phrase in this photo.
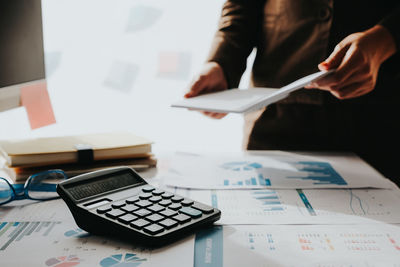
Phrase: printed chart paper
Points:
(315, 206)
(306, 245)
(59, 242)
(272, 169)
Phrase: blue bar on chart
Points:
(251, 181)
(307, 204)
(318, 173)
(268, 199)
(208, 247)
(17, 231)
(214, 199)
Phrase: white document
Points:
(272, 169)
(56, 243)
(315, 206)
(302, 245)
(241, 101)
(28, 210)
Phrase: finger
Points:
(357, 77)
(335, 58)
(351, 63)
(214, 115)
(218, 115)
(351, 91)
(196, 88)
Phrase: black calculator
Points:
(118, 202)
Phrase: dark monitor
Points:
(21, 48)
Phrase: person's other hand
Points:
(211, 79)
(357, 60)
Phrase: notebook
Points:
(68, 149)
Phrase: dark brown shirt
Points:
(292, 37)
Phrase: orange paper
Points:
(36, 101)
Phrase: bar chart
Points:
(11, 232)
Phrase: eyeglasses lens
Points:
(5, 191)
(43, 185)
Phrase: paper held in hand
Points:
(242, 101)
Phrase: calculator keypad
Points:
(154, 210)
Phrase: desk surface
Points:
(362, 232)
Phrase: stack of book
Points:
(76, 154)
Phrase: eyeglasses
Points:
(40, 186)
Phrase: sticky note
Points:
(35, 98)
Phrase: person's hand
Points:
(211, 79)
(357, 59)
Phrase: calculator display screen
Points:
(102, 184)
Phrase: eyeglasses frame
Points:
(25, 194)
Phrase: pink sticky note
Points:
(36, 101)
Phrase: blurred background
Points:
(118, 65)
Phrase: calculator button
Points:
(147, 189)
(167, 195)
(132, 200)
(118, 204)
(204, 208)
(155, 199)
(130, 208)
(181, 218)
(103, 209)
(153, 229)
(145, 196)
(175, 206)
(187, 202)
(158, 192)
(191, 212)
(143, 203)
(142, 213)
(168, 213)
(127, 218)
(156, 208)
(176, 199)
(155, 218)
(168, 223)
(115, 214)
(139, 224)
(165, 202)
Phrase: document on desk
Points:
(301, 206)
(241, 101)
(272, 169)
(300, 245)
(62, 243)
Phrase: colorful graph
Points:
(317, 172)
(63, 261)
(315, 241)
(245, 166)
(241, 166)
(256, 239)
(122, 260)
(77, 232)
(268, 199)
(16, 231)
(306, 203)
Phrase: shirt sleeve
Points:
(392, 23)
(238, 30)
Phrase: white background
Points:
(83, 39)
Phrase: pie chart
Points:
(122, 260)
(63, 261)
